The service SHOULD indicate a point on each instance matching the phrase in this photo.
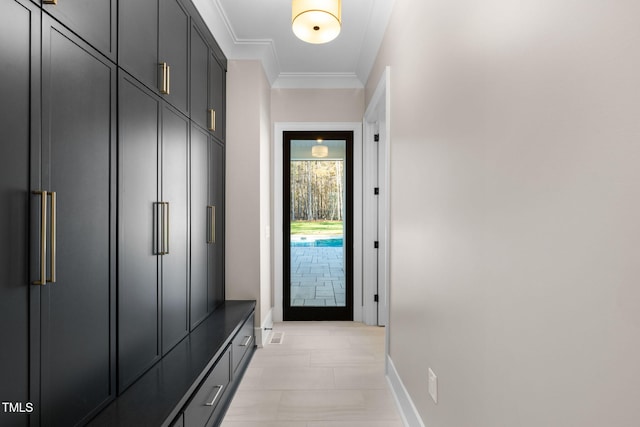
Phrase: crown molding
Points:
(318, 81)
(264, 50)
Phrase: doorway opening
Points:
(318, 225)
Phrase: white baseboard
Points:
(263, 332)
(408, 411)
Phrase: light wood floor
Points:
(324, 374)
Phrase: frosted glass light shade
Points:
(319, 151)
(316, 21)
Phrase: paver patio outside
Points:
(317, 277)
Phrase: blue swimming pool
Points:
(318, 243)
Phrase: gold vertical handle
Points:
(53, 238)
(43, 238)
(208, 224)
(212, 119)
(168, 80)
(159, 228)
(211, 229)
(165, 83)
(213, 224)
(165, 236)
(162, 238)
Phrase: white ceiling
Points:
(261, 29)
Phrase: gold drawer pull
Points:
(50, 2)
(246, 343)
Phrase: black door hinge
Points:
(376, 191)
(375, 244)
(375, 298)
(376, 137)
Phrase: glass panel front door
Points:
(318, 225)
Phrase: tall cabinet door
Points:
(173, 50)
(77, 310)
(138, 291)
(199, 78)
(216, 248)
(94, 21)
(20, 122)
(175, 261)
(217, 88)
(138, 40)
(154, 47)
(201, 220)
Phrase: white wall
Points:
(515, 209)
(248, 205)
(317, 105)
(315, 109)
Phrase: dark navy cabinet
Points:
(95, 21)
(77, 314)
(153, 238)
(207, 224)
(208, 84)
(154, 47)
(20, 124)
(111, 212)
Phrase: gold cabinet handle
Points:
(50, 1)
(165, 236)
(246, 343)
(43, 238)
(215, 397)
(211, 232)
(165, 80)
(212, 120)
(209, 225)
(162, 231)
(158, 240)
(53, 238)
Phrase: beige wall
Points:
(317, 105)
(248, 207)
(515, 209)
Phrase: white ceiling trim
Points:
(318, 81)
(265, 50)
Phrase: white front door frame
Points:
(277, 267)
(376, 157)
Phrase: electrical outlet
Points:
(433, 386)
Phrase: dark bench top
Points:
(159, 395)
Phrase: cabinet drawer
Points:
(210, 393)
(242, 342)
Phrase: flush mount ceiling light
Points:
(316, 21)
(319, 150)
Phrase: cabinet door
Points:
(200, 224)
(199, 78)
(19, 106)
(138, 39)
(217, 86)
(175, 262)
(174, 48)
(138, 291)
(216, 249)
(77, 310)
(93, 20)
